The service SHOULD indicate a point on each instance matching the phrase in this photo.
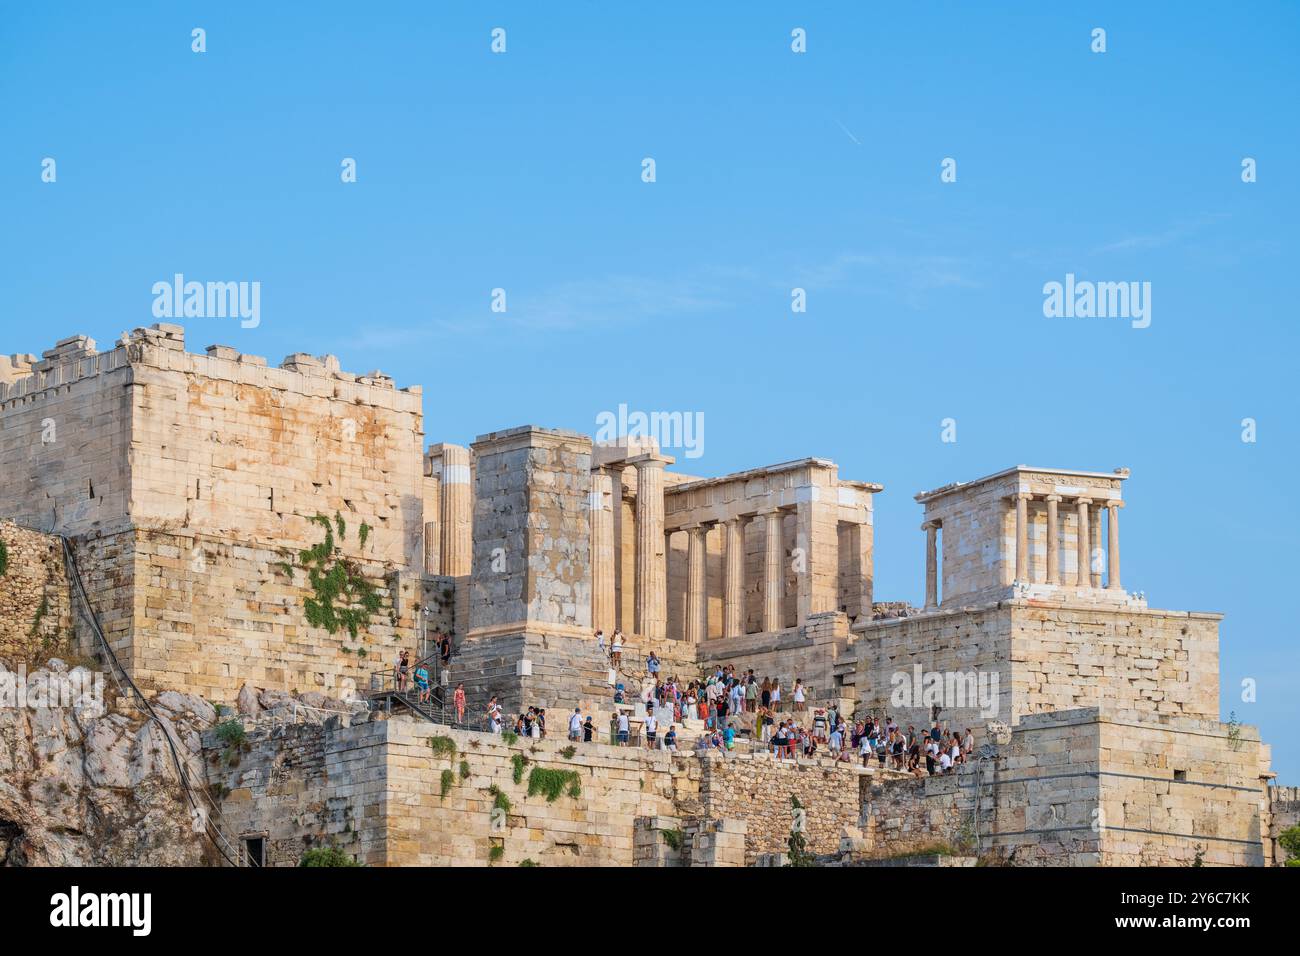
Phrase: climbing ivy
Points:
(341, 595)
(4, 557)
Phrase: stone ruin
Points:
(206, 496)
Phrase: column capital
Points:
(1051, 497)
(1023, 496)
(932, 523)
(650, 459)
(1114, 503)
(769, 510)
(1082, 500)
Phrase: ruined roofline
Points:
(76, 357)
(820, 463)
(1120, 474)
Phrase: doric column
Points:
(1084, 576)
(601, 507)
(432, 526)
(931, 529)
(733, 602)
(651, 573)
(696, 584)
(457, 511)
(1053, 541)
(1022, 536)
(773, 579)
(1112, 544)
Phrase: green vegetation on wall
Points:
(341, 595)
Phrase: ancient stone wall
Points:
(35, 600)
(1080, 788)
(1156, 662)
(1284, 812)
(760, 792)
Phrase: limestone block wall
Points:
(211, 614)
(1156, 662)
(531, 531)
(64, 432)
(965, 642)
(35, 601)
(1079, 788)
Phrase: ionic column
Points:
(1022, 536)
(1094, 538)
(651, 572)
(696, 584)
(601, 507)
(1085, 552)
(1112, 544)
(733, 602)
(773, 581)
(931, 529)
(1053, 541)
(457, 511)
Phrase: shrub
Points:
(326, 856)
(448, 781)
(4, 558)
(443, 747)
(510, 737)
(499, 799)
(464, 769)
(568, 752)
(497, 852)
(519, 761)
(552, 783)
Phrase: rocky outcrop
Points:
(80, 786)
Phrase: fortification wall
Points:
(1161, 663)
(1284, 808)
(35, 600)
(1080, 788)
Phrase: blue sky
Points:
(774, 170)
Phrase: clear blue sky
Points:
(775, 170)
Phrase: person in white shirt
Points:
(575, 725)
(651, 729)
(622, 729)
(776, 695)
(600, 642)
(945, 762)
(616, 654)
(798, 695)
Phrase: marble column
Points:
(1022, 537)
(696, 584)
(601, 507)
(931, 529)
(1112, 545)
(733, 603)
(651, 570)
(773, 578)
(1094, 538)
(1053, 540)
(1084, 577)
(456, 512)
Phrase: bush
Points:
(552, 783)
(1290, 841)
(326, 856)
(4, 558)
(443, 747)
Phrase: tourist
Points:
(652, 665)
(623, 728)
(836, 742)
(539, 725)
(422, 683)
(751, 694)
(458, 701)
(494, 716)
(729, 737)
(670, 738)
(651, 728)
(575, 724)
(798, 696)
(616, 652)
(444, 650)
(945, 762)
(403, 670)
(776, 694)
(765, 694)
(968, 744)
(781, 741)
(600, 642)
(588, 730)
